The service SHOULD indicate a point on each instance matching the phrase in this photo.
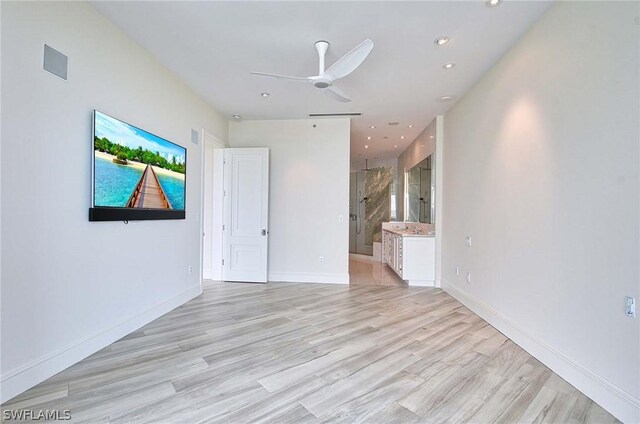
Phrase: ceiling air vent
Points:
(324, 115)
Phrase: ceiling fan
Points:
(340, 69)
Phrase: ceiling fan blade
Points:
(337, 94)
(350, 61)
(281, 77)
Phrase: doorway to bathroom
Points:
(371, 202)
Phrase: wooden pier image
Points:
(148, 193)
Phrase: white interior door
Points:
(246, 205)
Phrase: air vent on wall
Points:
(320, 115)
(55, 62)
(195, 137)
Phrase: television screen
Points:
(136, 174)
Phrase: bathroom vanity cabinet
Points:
(411, 255)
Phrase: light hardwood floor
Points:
(314, 353)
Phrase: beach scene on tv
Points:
(136, 169)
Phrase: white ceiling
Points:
(213, 46)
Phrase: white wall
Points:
(70, 286)
(541, 162)
(416, 152)
(308, 191)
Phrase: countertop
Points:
(408, 233)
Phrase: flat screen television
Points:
(136, 175)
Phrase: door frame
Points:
(209, 138)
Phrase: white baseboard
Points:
(622, 404)
(28, 375)
(304, 277)
(437, 283)
(421, 283)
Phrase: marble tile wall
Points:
(378, 207)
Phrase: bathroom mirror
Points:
(420, 192)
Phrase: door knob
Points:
(264, 232)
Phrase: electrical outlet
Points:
(467, 241)
(457, 270)
(340, 218)
(630, 306)
(321, 259)
(469, 277)
(190, 269)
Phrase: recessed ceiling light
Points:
(366, 146)
(441, 40)
(372, 126)
(265, 94)
(236, 116)
(430, 136)
(410, 126)
(395, 146)
(368, 137)
(392, 123)
(449, 65)
(446, 98)
(401, 137)
(492, 3)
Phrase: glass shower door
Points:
(370, 205)
(357, 211)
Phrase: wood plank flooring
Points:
(314, 353)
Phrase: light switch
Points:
(630, 306)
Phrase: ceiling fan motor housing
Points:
(322, 47)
